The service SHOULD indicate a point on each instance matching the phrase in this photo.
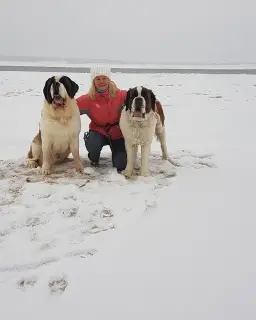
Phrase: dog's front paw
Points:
(127, 173)
(79, 167)
(144, 173)
(46, 169)
(31, 163)
(173, 162)
(164, 156)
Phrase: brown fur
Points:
(160, 111)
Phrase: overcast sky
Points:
(197, 31)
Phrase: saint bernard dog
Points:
(141, 118)
(59, 127)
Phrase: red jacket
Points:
(103, 110)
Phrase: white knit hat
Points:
(100, 71)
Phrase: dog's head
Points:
(140, 101)
(58, 89)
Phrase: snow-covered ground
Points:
(179, 244)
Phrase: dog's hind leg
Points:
(161, 137)
(32, 162)
(160, 134)
(34, 155)
(162, 140)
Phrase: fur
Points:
(140, 120)
(59, 127)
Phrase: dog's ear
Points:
(127, 99)
(47, 90)
(153, 100)
(71, 86)
(74, 88)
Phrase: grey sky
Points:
(190, 31)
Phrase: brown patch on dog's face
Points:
(140, 101)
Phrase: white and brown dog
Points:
(59, 127)
(142, 117)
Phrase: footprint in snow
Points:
(57, 285)
(26, 283)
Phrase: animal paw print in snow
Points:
(57, 285)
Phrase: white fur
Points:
(139, 90)
(60, 132)
(62, 90)
(140, 132)
(60, 129)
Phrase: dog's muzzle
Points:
(138, 114)
(58, 101)
(139, 108)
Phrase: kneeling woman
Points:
(103, 104)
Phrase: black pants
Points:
(95, 141)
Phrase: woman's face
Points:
(101, 82)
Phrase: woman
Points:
(103, 104)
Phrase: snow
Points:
(176, 245)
